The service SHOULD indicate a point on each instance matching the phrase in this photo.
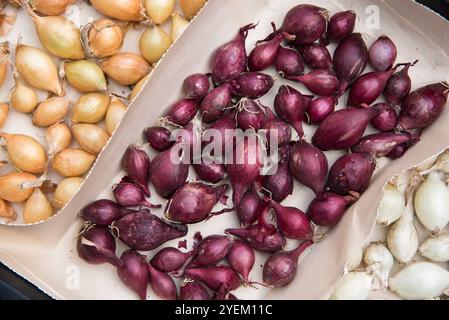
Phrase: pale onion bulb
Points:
(90, 137)
(38, 69)
(153, 43)
(432, 203)
(91, 108)
(422, 280)
(191, 7)
(85, 76)
(58, 137)
(379, 261)
(11, 186)
(436, 249)
(66, 190)
(116, 112)
(391, 207)
(50, 7)
(354, 259)
(25, 153)
(138, 88)
(178, 26)
(4, 111)
(37, 208)
(72, 162)
(353, 286)
(126, 68)
(125, 10)
(159, 10)
(51, 111)
(4, 62)
(60, 36)
(402, 238)
(6, 211)
(23, 98)
(102, 38)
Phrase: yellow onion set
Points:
(85, 58)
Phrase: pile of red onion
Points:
(226, 98)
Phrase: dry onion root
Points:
(6, 211)
(72, 162)
(91, 108)
(85, 76)
(58, 137)
(116, 111)
(126, 68)
(23, 98)
(90, 137)
(102, 38)
(51, 111)
(37, 208)
(66, 190)
(4, 111)
(10, 186)
(50, 7)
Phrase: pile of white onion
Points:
(403, 265)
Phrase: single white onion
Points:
(379, 261)
(436, 249)
(391, 207)
(353, 286)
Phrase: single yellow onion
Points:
(90, 137)
(153, 43)
(125, 10)
(60, 36)
(6, 211)
(23, 98)
(85, 76)
(37, 208)
(4, 111)
(115, 114)
(178, 26)
(91, 108)
(66, 190)
(58, 137)
(50, 7)
(25, 152)
(126, 68)
(102, 38)
(38, 69)
(51, 111)
(4, 63)
(191, 7)
(159, 10)
(11, 186)
(73, 162)
(138, 88)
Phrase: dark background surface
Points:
(13, 286)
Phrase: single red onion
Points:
(341, 25)
(252, 85)
(399, 85)
(291, 106)
(229, 60)
(250, 115)
(322, 82)
(380, 144)
(162, 284)
(289, 63)
(274, 125)
(320, 108)
(260, 237)
(248, 210)
(350, 60)
(423, 107)
(166, 175)
(210, 251)
(103, 212)
(369, 87)
(158, 138)
(196, 86)
(210, 172)
(193, 290)
(134, 273)
(264, 54)
(136, 164)
(193, 202)
(328, 208)
(386, 120)
(96, 245)
(382, 54)
(306, 22)
(241, 258)
(215, 103)
(182, 112)
(281, 268)
(280, 184)
(293, 223)
(219, 278)
(351, 173)
(316, 56)
(170, 259)
(129, 194)
(344, 128)
(144, 231)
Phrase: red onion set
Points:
(225, 98)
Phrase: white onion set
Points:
(353, 286)
(379, 262)
(436, 249)
(391, 207)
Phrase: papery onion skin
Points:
(289, 62)
(102, 249)
(170, 259)
(182, 112)
(280, 184)
(250, 115)
(328, 208)
(136, 164)
(213, 173)
(4, 112)
(322, 82)
(4, 63)
(292, 222)
(10, 186)
(210, 251)
(191, 7)
(125, 10)
(91, 108)
(85, 76)
(274, 125)
(51, 111)
(116, 111)
(341, 25)
(252, 85)
(66, 190)
(398, 86)
(436, 249)
(391, 207)
(162, 284)
(248, 210)
(382, 54)
(159, 10)
(153, 43)
(72, 162)
(126, 68)
(193, 290)
(50, 7)
(196, 86)
(219, 278)
(158, 138)
(320, 108)
(138, 87)
(102, 38)
(6, 211)
(385, 121)
(133, 272)
(23, 98)
(37, 208)
(129, 194)
(178, 25)
(241, 258)
(90, 137)
(353, 286)
(316, 56)
(379, 261)
(215, 103)
(58, 137)
(103, 212)
(380, 144)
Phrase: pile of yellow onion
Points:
(75, 131)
